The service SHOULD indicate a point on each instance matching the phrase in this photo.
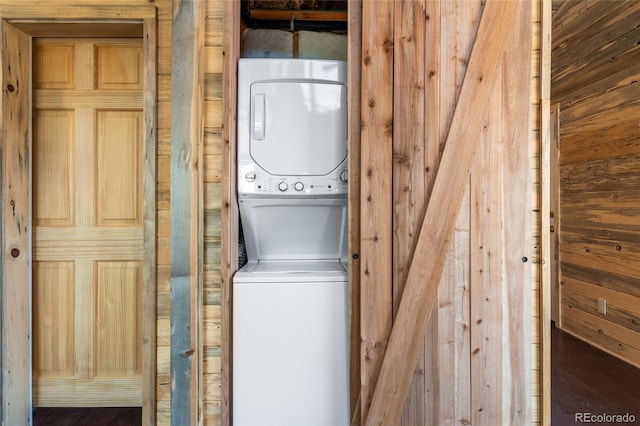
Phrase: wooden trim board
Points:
(546, 207)
(187, 133)
(150, 290)
(299, 15)
(16, 9)
(229, 206)
(354, 69)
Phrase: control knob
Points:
(282, 186)
(250, 176)
(344, 176)
(299, 186)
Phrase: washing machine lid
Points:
(298, 127)
(292, 272)
(281, 267)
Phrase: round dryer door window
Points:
(298, 128)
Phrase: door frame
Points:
(18, 25)
(554, 213)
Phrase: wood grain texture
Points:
(186, 214)
(150, 222)
(487, 332)
(163, 195)
(431, 364)
(550, 208)
(79, 30)
(376, 239)
(213, 325)
(16, 228)
(200, 384)
(594, 81)
(454, 25)
(519, 239)
(16, 9)
(228, 204)
(583, 54)
(66, 29)
(423, 277)
(80, 196)
(550, 213)
(355, 68)
(299, 15)
(451, 397)
(409, 192)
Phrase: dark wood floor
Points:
(587, 380)
(583, 380)
(119, 416)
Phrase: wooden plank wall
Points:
(163, 350)
(213, 145)
(482, 339)
(595, 74)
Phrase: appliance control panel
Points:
(252, 180)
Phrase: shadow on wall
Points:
(266, 43)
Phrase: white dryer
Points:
(292, 128)
(290, 302)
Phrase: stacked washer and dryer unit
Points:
(290, 301)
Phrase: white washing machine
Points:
(290, 302)
(290, 358)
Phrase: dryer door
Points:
(298, 128)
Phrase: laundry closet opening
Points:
(290, 283)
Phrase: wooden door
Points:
(87, 222)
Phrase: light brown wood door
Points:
(87, 222)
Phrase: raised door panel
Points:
(53, 162)
(53, 299)
(118, 318)
(118, 177)
(53, 66)
(118, 66)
